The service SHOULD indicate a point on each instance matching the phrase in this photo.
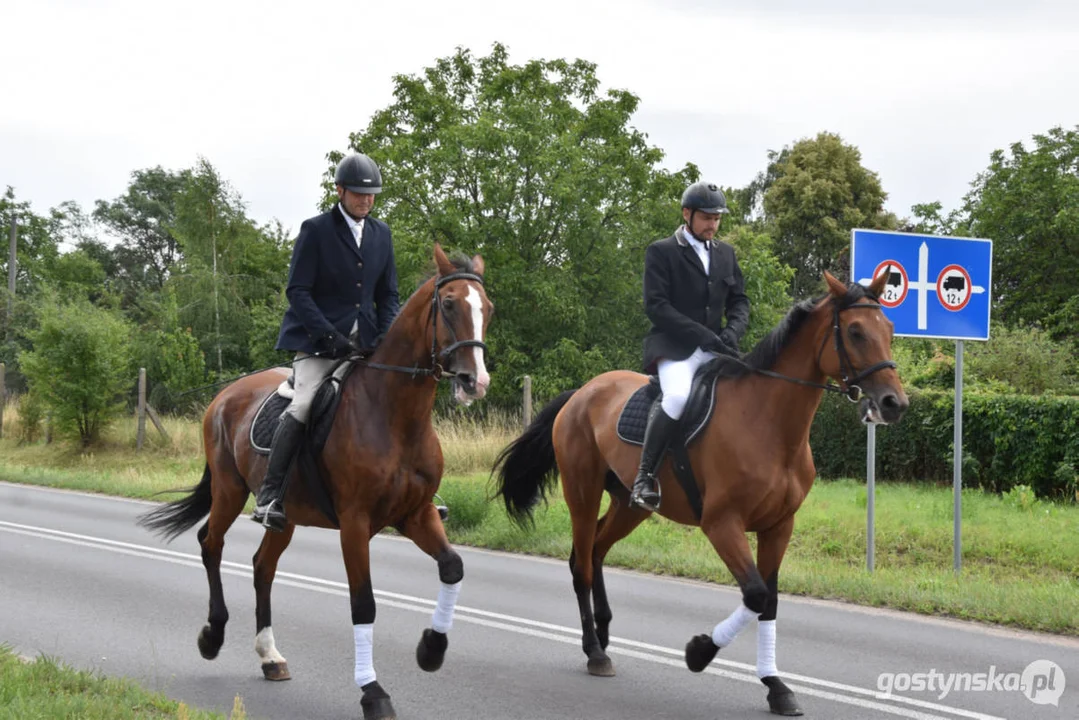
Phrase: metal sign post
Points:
(957, 466)
(938, 287)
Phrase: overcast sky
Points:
(93, 89)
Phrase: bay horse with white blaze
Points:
(752, 463)
(381, 464)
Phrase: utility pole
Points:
(11, 274)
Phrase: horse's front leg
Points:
(274, 666)
(355, 547)
(771, 546)
(424, 527)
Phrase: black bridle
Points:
(438, 359)
(850, 387)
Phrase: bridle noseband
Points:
(437, 369)
(850, 388)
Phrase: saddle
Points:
(323, 411)
(700, 406)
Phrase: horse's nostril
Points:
(891, 402)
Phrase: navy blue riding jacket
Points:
(333, 284)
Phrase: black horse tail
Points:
(174, 518)
(526, 468)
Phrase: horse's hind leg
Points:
(771, 547)
(728, 537)
(582, 485)
(619, 521)
(424, 528)
(229, 496)
(274, 665)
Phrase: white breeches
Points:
(676, 378)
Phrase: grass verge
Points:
(44, 689)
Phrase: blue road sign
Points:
(938, 287)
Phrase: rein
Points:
(436, 371)
(850, 388)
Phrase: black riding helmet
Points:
(706, 197)
(359, 174)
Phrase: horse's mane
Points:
(766, 353)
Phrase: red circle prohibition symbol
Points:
(906, 283)
(940, 287)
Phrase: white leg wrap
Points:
(442, 620)
(265, 647)
(725, 632)
(365, 666)
(766, 649)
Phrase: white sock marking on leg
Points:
(265, 647)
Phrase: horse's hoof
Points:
(210, 642)
(431, 650)
(276, 671)
(600, 667)
(781, 700)
(699, 652)
(376, 703)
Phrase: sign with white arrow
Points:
(938, 287)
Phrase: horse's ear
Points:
(477, 264)
(877, 286)
(835, 287)
(445, 267)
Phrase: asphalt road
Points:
(81, 582)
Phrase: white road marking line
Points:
(522, 626)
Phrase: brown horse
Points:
(752, 463)
(381, 465)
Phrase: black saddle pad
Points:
(634, 417)
(323, 410)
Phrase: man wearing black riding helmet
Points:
(691, 283)
(342, 293)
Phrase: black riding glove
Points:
(730, 339)
(335, 345)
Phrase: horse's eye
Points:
(855, 333)
(447, 304)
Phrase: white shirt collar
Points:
(356, 226)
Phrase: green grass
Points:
(44, 689)
(1020, 558)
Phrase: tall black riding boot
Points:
(270, 501)
(656, 437)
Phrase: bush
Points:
(31, 412)
(80, 367)
(1008, 441)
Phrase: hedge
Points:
(1008, 440)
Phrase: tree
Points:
(142, 219)
(817, 192)
(80, 366)
(766, 278)
(1027, 202)
(532, 167)
(228, 266)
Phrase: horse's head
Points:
(859, 355)
(461, 312)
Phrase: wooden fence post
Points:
(3, 398)
(141, 413)
(526, 401)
